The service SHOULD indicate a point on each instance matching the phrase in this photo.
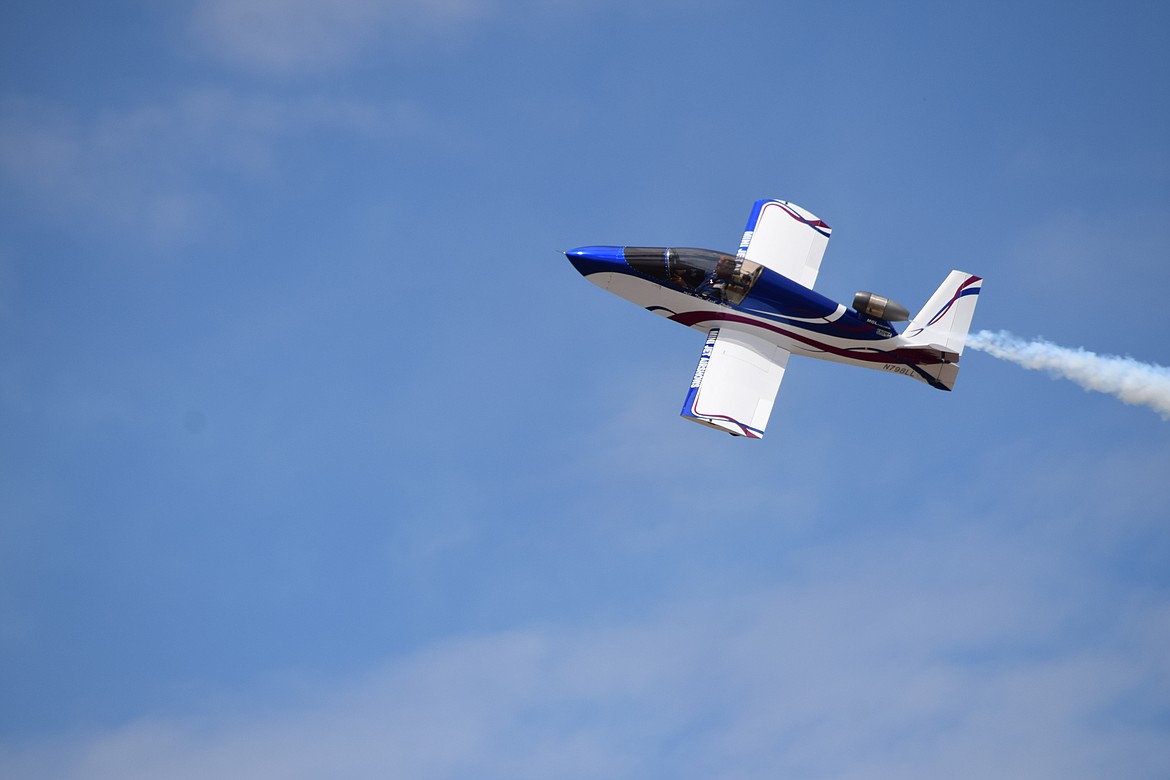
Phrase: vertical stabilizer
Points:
(945, 319)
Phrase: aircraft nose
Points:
(591, 259)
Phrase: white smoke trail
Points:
(1130, 380)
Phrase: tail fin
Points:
(945, 319)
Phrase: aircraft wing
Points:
(787, 239)
(736, 382)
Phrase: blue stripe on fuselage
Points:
(776, 293)
(778, 298)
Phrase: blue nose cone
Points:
(593, 259)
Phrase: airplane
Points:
(758, 307)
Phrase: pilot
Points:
(716, 282)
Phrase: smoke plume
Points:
(1130, 380)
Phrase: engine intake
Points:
(878, 306)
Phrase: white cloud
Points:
(296, 36)
(299, 37)
(887, 659)
(147, 168)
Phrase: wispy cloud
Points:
(298, 36)
(148, 167)
(856, 670)
(291, 38)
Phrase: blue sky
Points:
(318, 460)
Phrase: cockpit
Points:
(714, 275)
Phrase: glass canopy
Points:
(717, 276)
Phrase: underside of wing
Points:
(787, 239)
(735, 382)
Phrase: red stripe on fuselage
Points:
(901, 355)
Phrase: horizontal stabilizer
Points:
(942, 374)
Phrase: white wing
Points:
(736, 382)
(787, 239)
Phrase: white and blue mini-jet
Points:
(757, 307)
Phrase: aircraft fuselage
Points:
(771, 305)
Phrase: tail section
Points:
(943, 323)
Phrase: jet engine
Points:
(880, 307)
